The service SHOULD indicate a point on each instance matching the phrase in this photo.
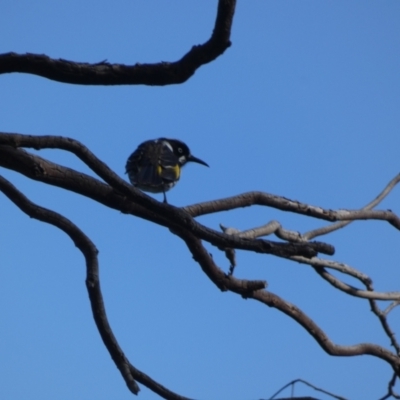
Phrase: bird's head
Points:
(182, 152)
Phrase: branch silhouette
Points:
(89, 251)
(118, 194)
(108, 189)
(104, 73)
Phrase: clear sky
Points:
(305, 104)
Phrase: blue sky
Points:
(305, 104)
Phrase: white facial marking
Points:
(165, 143)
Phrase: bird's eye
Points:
(180, 150)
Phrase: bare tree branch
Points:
(43, 170)
(272, 300)
(319, 266)
(317, 263)
(40, 169)
(316, 332)
(390, 307)
(103, 73)
(384, 322)
(267, 229)
(353, 291)
(276, 228)
(284, 204)
(124, 197)
(293, 383)
(391, 392)
(89, 251)
(116, 193)
(330, 228)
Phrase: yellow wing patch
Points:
(171, 172)
(177, 171)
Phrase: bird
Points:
(155, 166)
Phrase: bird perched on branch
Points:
(155, 166)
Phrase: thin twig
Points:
(330, 228)
(292, 383)
(284, 204)
(385, 324)
(390, 307)
(264, 230)
(319, 265)
(391, 392)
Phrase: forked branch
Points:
(118, 194)
(123, 196)
(89, 251)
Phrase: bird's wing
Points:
(169, 164)
(142, 166)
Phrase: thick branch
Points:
(103, 73)
(272, 300)
(141, 205)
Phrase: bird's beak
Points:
(197, 160)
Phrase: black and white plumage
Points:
(155, 166)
